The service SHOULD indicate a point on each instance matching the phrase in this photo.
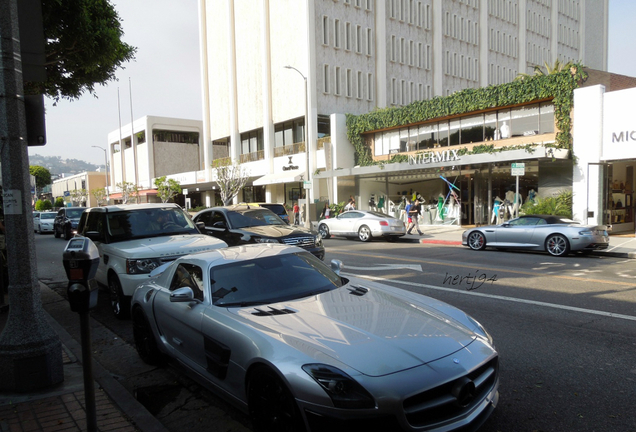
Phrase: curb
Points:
(442, 242)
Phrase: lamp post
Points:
(105, 169)
(307, 218)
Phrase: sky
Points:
(165, 78)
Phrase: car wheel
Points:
(55, 232)
(67, 233)
(145, 342)
(476, 240)
(119, 303)
(557, 245)
(271, 405)
(364, 233)
(324, 231)
(39, 230)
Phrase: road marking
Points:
(416, 267)
(493, 269)
(505, 298)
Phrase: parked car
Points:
(362, 224)
(44, 222)
(279, 209)
(555, 234)
(285, 338)
(35, 216)
(66, 220)
(244, 223)
(135, 239)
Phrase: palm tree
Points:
(557, 67)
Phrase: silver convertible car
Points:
(288, 340)
(362, 224)
(555, 234)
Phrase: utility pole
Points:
(30, 351)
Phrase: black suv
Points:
(241, 224)
(65, 223)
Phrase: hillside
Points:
(57, 166)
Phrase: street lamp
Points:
(105, 169)
(307, 218)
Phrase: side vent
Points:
(272, 311)
(358, 290)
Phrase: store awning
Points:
(280, 177)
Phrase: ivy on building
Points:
(558, 86)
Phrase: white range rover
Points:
(134, 239)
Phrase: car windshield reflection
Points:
(254, 217)
(271, 280)
(134, 224)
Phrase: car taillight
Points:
(384, 223)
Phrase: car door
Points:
(517, 233)
(216, 225)
(180, 322)
(349, 223)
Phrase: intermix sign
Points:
(433, 157)
(619, 125)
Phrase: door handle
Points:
(177, 341)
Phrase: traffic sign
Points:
(307, 184)
(517, 169)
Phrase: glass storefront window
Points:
(412, 146)
(391, 142)
(490, 126)
(427, 136)
(378, 144)
(546, 118)
(454, 132)
(472, 129)
(503, 123)
(525, 121)
(443, 134)
(404, 139)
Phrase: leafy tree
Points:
(167, 189)
(546, 69)
(231, 178)
(41, 174)
(129, 191)
(559, 205)
(83, 47)
(100, 195)
(43, 205)
(59, 202)
(78, 196)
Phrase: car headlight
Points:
(141, 266)
(265, 240)
(318, 240)
(344, 391)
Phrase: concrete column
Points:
(30, 351)
(268, 123)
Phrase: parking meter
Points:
(81, 259)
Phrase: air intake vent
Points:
(358, 290)
(272, 311)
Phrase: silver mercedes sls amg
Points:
(555, 234)
(299, 347)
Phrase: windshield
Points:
(253, 217)
(74, 213)
(145, 223)
(271, 280)
(47, 215)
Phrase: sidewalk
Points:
(62, 408)
(621, 246)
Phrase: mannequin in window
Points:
(531, 194)
(440, 208)
(496, 214)
(372, 205)
(504, 130)
(513, 201)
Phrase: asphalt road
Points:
(565, 330)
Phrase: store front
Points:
(604, 181)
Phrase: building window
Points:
(348, 36)
(369, 42)
(348, 83)
(325, 30)
(393, 91)
(336, 33)
(393, 48)
(370, 87)
(358, 39)
(337, 81)
(325, 78)
(160, 135)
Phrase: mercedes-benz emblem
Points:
(464, 391)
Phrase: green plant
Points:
(336, 209)
(43, 205)
(59, 202)
(557, 86)
(558, 205)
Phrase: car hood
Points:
(276, 231)
(166, 246)
(377, 333)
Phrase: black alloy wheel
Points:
(145, 342)
(56, 233)
(68, 232)
(271, 405)
(119, 303)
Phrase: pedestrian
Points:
(407, 207)
(350, 205)
(325, 212)
(414, 213)
(353, 202)
(296, 214)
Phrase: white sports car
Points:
(362, 224)
(284, 337)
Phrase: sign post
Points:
(517, 169)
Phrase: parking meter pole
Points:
(87, 363)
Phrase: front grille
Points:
(305, 242)
(439, 405)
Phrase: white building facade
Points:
(356, 56)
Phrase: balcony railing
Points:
(320, 143)
(252, 157)
(289, 149)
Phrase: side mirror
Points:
(219, 224)
(95, 236)
(200, 225)
(336, 266)
(182, 295)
